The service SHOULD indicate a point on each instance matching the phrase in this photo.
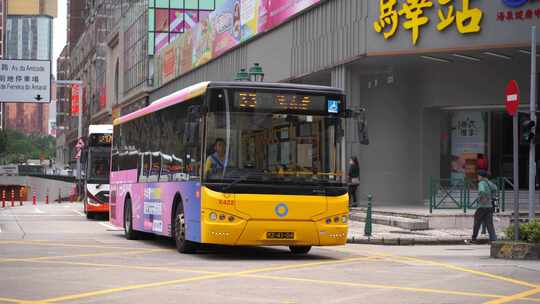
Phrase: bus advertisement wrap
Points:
(234, 164)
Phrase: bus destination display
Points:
(100, 139)
(262, 101)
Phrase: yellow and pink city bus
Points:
(235, 163)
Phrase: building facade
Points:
(432, 78)
(28, 35)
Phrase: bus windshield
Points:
(98, 165)
(265, 147)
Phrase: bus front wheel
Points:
(182, 244)
(300, 249)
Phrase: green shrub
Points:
(528, 232)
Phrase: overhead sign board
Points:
(25, 81)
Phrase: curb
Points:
(405, 242)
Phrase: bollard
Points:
(3, 198)
(12, 198)
(367, 227)
(47, 198)
(59, 196)
(34, 198)
(21, 196)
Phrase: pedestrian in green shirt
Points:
(484, 212)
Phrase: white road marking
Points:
(78, 212)
(109, 226)
(37, 210)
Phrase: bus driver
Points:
(215, 161)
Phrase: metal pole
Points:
(516, 177)
(79, 136)
(2, 109)
(532, 146)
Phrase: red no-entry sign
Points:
(511, 97)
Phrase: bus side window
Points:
(176, 168)
(155, 167)
(145, 165)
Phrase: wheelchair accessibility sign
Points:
(281, 210)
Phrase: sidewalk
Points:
(387, 235)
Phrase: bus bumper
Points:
(94, 207)
(274, 233)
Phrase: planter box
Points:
(515, 251)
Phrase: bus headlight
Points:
(328, 221)
(213, 216)
(336, 219)
(344, 219)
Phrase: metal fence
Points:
(448, 193)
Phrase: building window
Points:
(168, 19)
(464, 144)
(135, 49)
(29, 37)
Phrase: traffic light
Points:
(528, 130)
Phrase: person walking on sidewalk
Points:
(484, 212)
(354, 179)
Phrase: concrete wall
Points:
(40, 186)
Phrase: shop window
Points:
(464, 142)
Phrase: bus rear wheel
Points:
(128, 222)
(182, 244)
(300, 249)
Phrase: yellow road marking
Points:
(472, 271)
(131, 287)
(151, 268)
(454, 267)
(82, 255)
(193, 279)
(286, 267)
(252, 273)
(379, 286)
(47, 243)
(8, 300)
(517, 296)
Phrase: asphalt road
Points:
(52, 254)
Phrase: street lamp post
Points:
(242, 75)
(255, 74)
(79, 127)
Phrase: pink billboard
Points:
(225, 22)
(232, 23)
(278, 11)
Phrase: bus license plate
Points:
(280, 235)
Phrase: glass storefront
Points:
(481, 140)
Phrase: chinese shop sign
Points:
(75, 98)
(517, 11)
(413, 14)
(25, 80)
